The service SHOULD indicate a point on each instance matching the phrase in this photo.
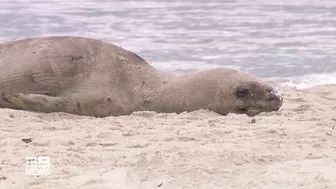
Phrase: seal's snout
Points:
(276, 98)
(274, 95)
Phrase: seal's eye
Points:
(241, 92)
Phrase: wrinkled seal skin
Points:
(90, 77)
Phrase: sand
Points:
(292, 148)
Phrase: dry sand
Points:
(293, 148)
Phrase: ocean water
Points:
(292, 42)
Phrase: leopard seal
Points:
(91, 77)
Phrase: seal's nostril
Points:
(274, 95)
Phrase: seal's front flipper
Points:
(34, 102)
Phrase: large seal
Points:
(90, 77)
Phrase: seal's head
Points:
(254, 97)
(241, 93)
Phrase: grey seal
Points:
(91, 77)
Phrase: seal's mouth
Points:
(248, 111)
(253, 111)
(242, 110)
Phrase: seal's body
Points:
(90, 77)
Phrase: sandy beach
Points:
(292, 148)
